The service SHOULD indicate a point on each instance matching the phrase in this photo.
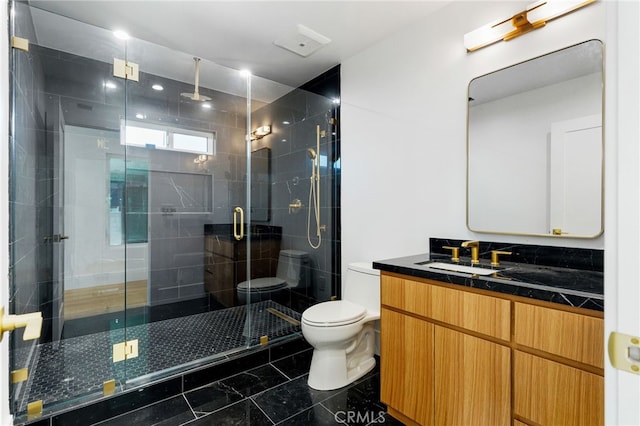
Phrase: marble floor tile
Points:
(356, 406)
(255, 381)
(295, 365)
(289, 399)
(212, 397)
(318, 415)
(170, 412)
(241, 413)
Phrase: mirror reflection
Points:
(535, 146)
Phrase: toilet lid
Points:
(263, 284)
(331, 314)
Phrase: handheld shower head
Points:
(312, 153)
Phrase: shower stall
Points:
(140, 197)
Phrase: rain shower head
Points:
(312, 153)
(196, 96)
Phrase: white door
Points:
(622, 212)
(575, 176)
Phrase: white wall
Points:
(403, 148)
(404, 117)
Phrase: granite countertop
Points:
(574, 287)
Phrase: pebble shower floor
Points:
(78, 367)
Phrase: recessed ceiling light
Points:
(286, 122)
(122, 35)
(245, 73)
(140, 116)
(110, 85)
(157, 87)
(206, 105)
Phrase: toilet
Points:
(342, 332)
(292, 272)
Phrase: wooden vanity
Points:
(454, 355)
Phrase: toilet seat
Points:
(262, 284)
(333, 314)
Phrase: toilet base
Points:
(329, 370)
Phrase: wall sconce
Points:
(201, 159)
(535, 16)
(260, 132)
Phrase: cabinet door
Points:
(574, 336)
(472, 380)
(406, 365)
(549, 393)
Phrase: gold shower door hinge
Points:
(18, 376)
(125, 350)
(20, 43)
(126, 70)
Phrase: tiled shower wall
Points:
(294, 118)
(61, 86)
(25, 181)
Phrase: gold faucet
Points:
(455, 253)
(475, 250)
(494, 256)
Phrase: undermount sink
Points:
(452, 267)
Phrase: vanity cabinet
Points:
(560, 382)
(226, 259)
(454, 356)
(436, 367)
(405, 380)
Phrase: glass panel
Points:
(153, 247)
(65, 122)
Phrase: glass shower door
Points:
(62, 264)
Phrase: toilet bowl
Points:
(292, 272)
(342, 332)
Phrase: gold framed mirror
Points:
(535, 146)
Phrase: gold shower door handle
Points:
(238, 235)
(32, 324)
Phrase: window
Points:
(169, 138)
(128, 201)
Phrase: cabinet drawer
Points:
(570, 335)
(476, 312)
(549, 393)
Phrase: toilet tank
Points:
(293, 267)
(362, 285)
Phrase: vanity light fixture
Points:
(535, 16)
(260, 132)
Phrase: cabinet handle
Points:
(238, 235)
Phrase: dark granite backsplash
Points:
(558, 257)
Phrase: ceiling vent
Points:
(304, 42)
